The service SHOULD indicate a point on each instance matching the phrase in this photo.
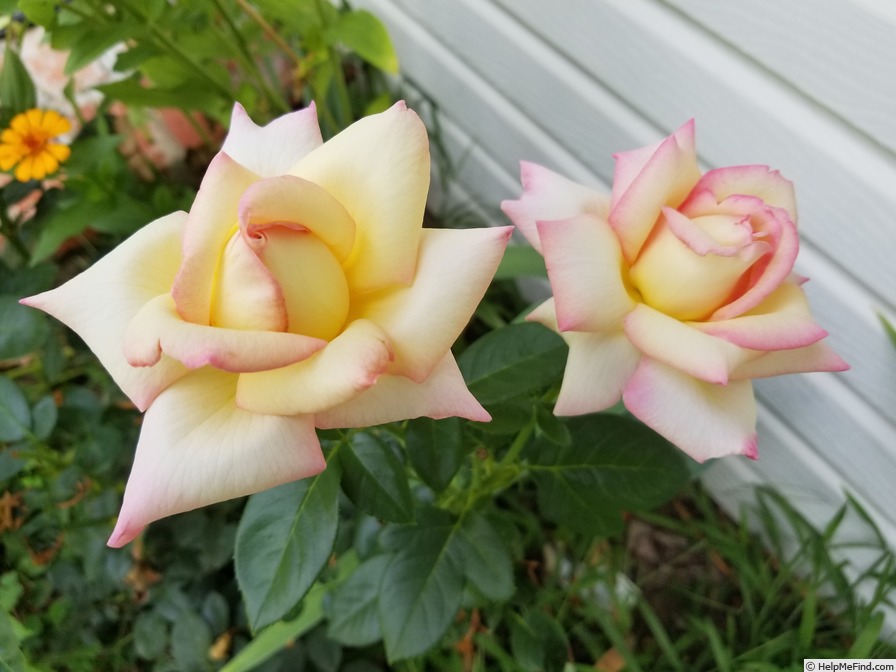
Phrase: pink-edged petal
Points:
(157, 329)
(291, 201)
(597, 370)
(378, 169)
(350, 363)
(454, 268)
(646, 185)
(702, 419)
(99, 303)
(815, 357)
(758, 181)
(764, 279)
(444, 394)
(683, 271)
(548, 196)
(211, 223)
(197, 448)
(683, 347)
(273, 149)
(584, 264)
(781, 322)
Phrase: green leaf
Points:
(889, 329)
(15, 416)
(44, 414)
(613, 464)
(515, 360)
(22, 329)
(375, 479)
(283, 541)
(27, 281)
(278, 635)
(190, 641)
(486, 561)
(422, 587)
(363, 33)
(41, 12)
(93, 40)
(353, 611)
(554, 429)
(436, 449)
(189, 96)
(11, 657)
(866, 639)
(16, 88)
(520, 260)
(150, 635)
(538, 642)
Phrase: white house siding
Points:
(806, 86)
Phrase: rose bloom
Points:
(674, 292)
(300, 291)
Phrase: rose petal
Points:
(815, 357)
(349, 364)
(702, 419)
(444, 394)
(209, 226)
(286, 200)
(584, 264)
(273, 149)
(781, 322)
(197, 448)
(246, 295)
(378, 169)
(454, 268)
(758, 181)
(642, 186)
(683, 347)
(548, 196)
(597, 370)
(157, 328)
(99, 303)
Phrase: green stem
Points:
(270, 31)
(249, 62)
(518, 444)
(175, 50)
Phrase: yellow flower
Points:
(26, 144)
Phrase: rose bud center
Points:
(690, 267)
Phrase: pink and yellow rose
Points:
(673, 293)
(299, 292)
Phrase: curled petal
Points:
(548, 196)
(758, 181)
(245, 294)
(157, 328)
(702, 419)
(815, 357)
(679, 345)
(647, 179)
(209, 226)
(454, 268)
(99, 303)
(781, 322)
(350, 363)
(273, 149)
(288, 200)
(378, 169)
(197, 448)
(597, 370)
(584, 264)
(443, 394)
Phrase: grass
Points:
(689, 590)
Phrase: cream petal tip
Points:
(124, 533)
